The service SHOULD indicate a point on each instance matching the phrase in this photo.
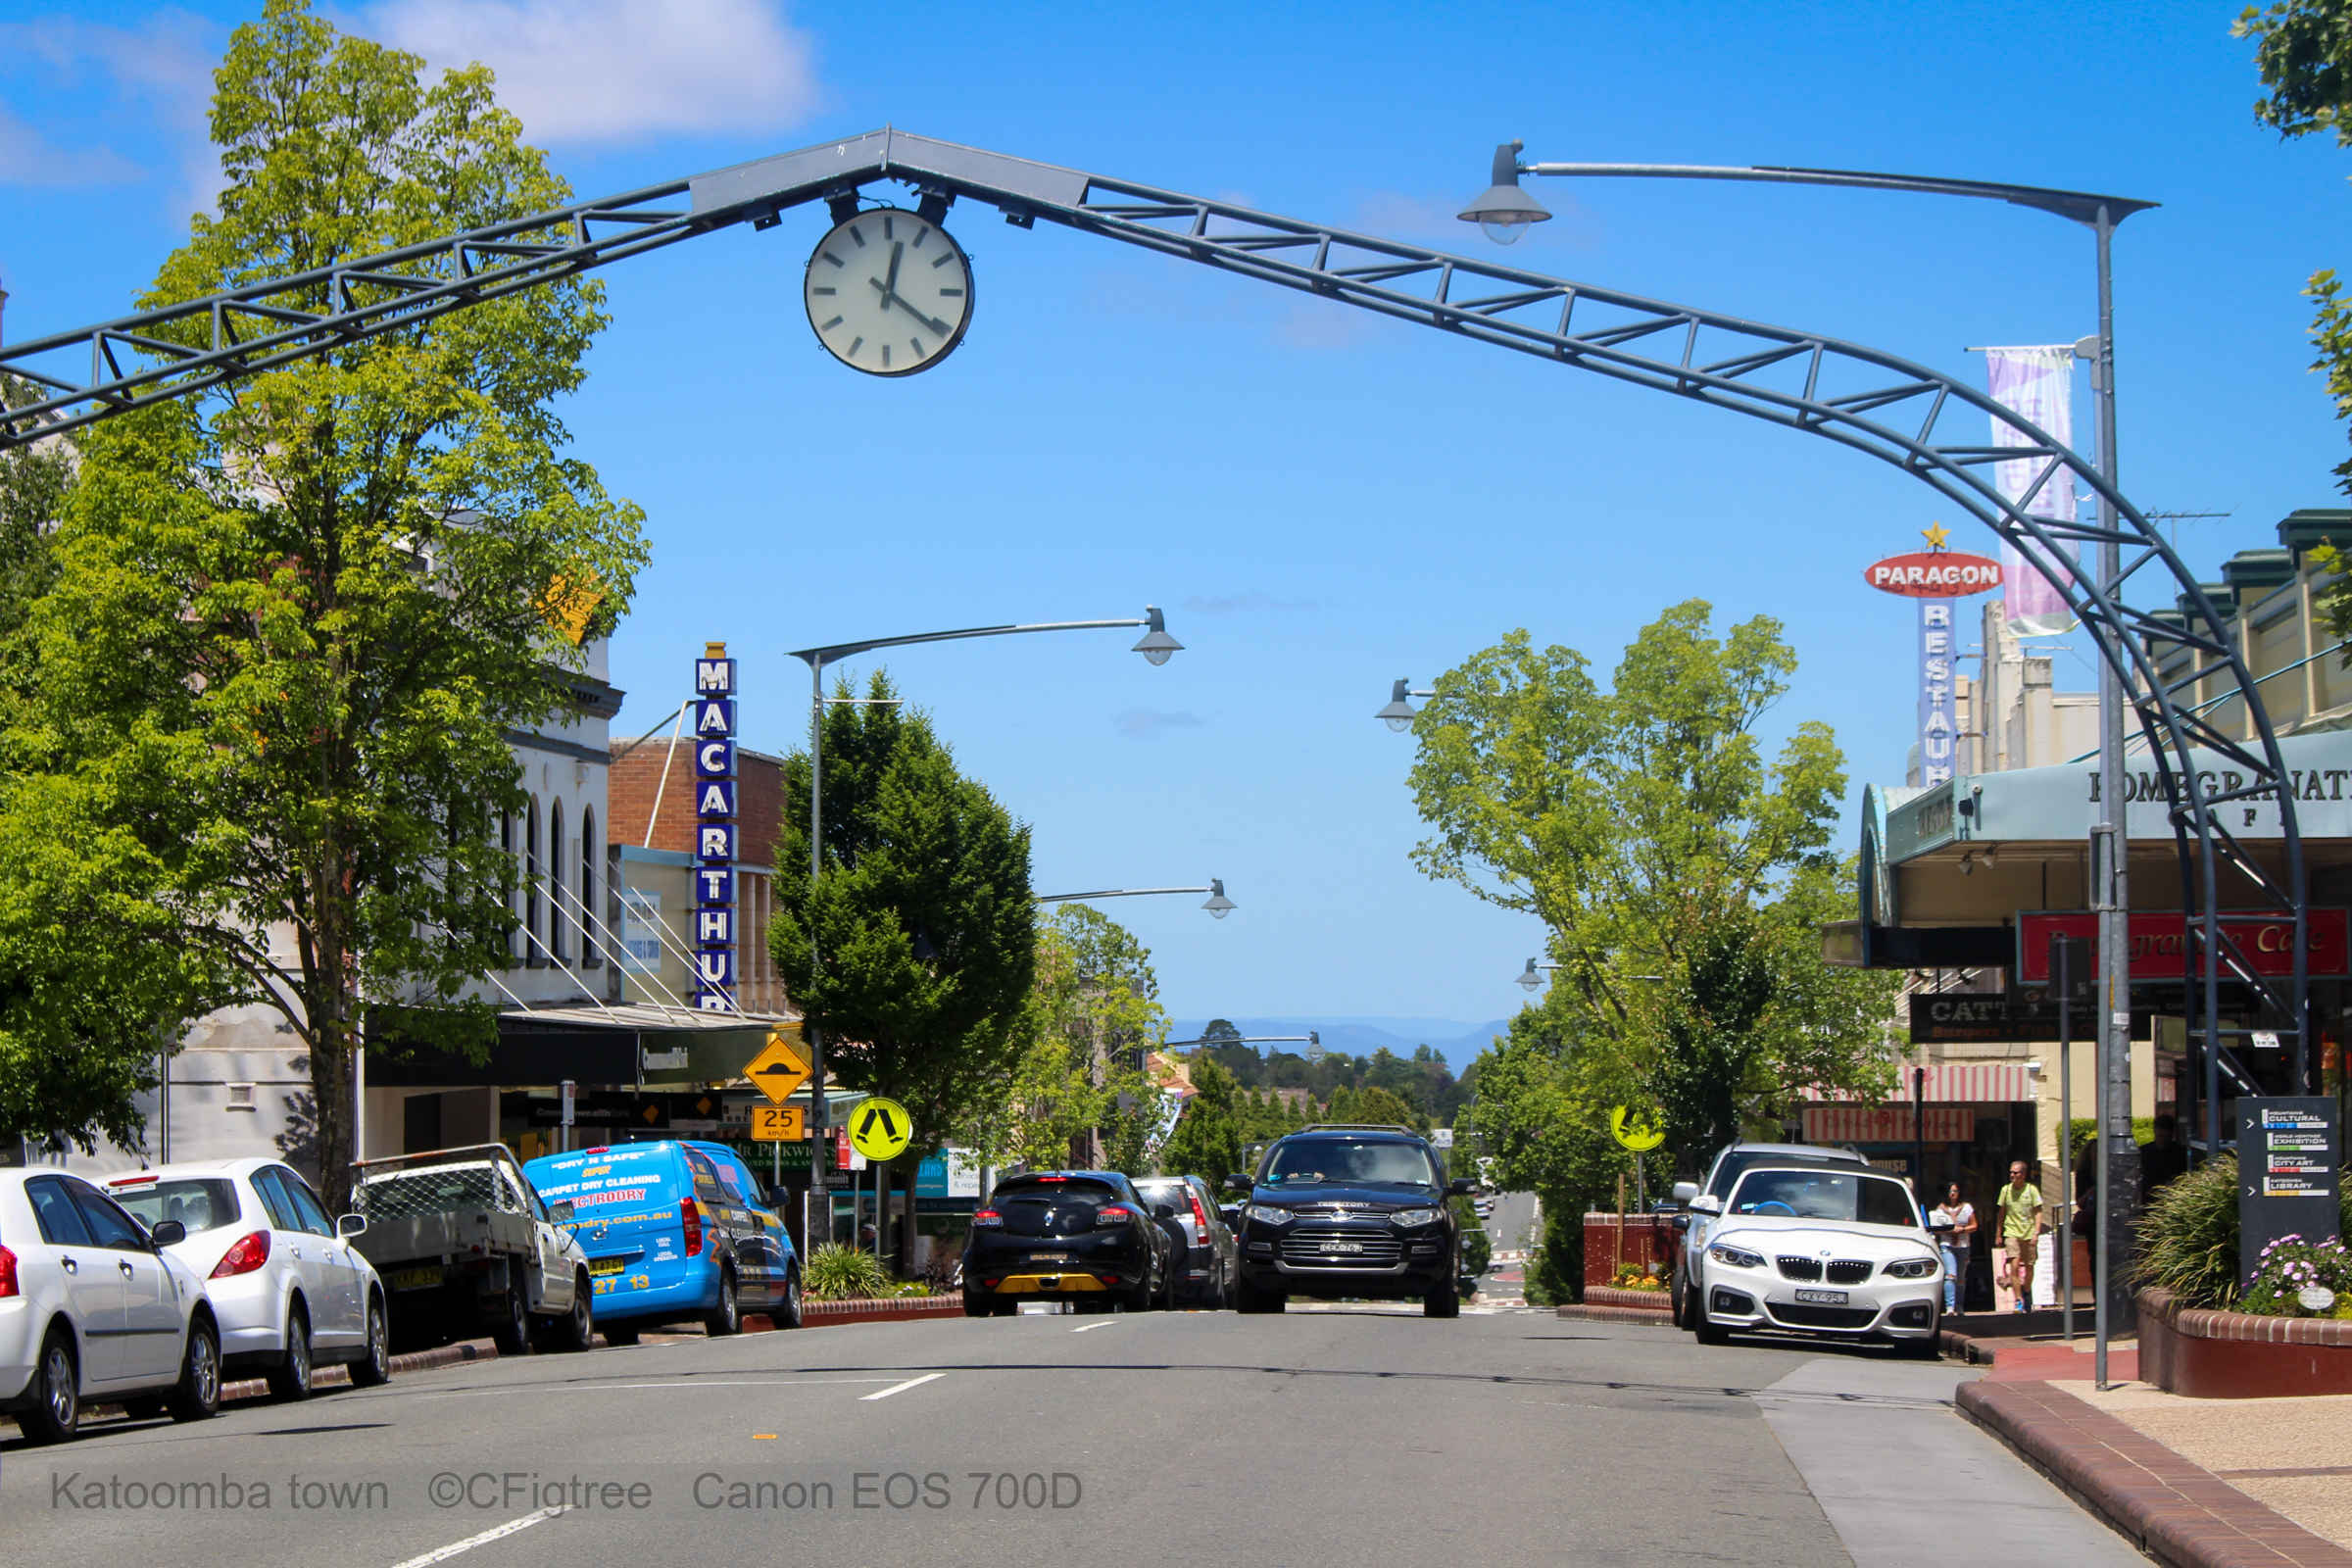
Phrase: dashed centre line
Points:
(901, 1388)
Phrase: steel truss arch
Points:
(1877, 404)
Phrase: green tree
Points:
(292, 628)
(1638, 822)
(922, 910)
(1207, 1140)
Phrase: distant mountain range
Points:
(1453, 1039)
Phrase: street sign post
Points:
(779, 1124)
(2289, 1152)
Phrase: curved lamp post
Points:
(1530, 978)
(1398, 715)
(1155, 645)
(1218, 904)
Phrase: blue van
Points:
(674, 1229)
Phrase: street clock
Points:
(889, 292)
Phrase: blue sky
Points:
(1322, 501)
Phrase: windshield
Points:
(1825, 1195)
(203, 1204)
(1349, 1161)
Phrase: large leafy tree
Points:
(293, 626)
(1207, 1140)
(926, 938)
(1680, 871)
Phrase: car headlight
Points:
(1910, 1268)
(1411, 1217)
(1736, 1256)
(1265, 1215)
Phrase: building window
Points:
(534, 954)
(558, 916)
(506, 846)
(591, 851)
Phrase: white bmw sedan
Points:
(290, 1291)
(1841, 1254)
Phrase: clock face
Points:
(887, 293)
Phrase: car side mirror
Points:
(1680, 1222)
(1684, 1191)
(165, 1233)
(351, 1225)
(1706, 1204)
(559, 1211)
(1460, 1186)
(1236, 1182)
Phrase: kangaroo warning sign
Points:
(879, 1129)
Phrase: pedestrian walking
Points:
(1956, 1243)
(2022, 1224)
(2164, 1160)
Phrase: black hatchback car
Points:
(1345, 1211)
(1085, 1237)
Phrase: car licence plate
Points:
(416, 1278)
(607, 1265)
(1340, 1247)
(1821, 1297)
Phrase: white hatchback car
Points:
(1814, 1250)
(92, 1308)
(288, 1288)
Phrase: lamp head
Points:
(1529, 979)
(1398, 714)
(1505, 210)
(1155, 643)
(1218, 904)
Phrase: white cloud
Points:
(29, 158)
(610, 70)
(163, 66)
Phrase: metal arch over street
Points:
(1873, 403)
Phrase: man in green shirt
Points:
(2021, 1225)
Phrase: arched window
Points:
(591, 851)
(506, 844)
(558, 914)
(533, 954)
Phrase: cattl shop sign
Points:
(1936, 577)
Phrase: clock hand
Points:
(892, 297)
(890, 284)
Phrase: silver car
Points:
(288, 1288)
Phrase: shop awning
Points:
(1950, 1082)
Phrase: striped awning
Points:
(1952, 1083)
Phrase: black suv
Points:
(1341, 1211)
(1085, 1237)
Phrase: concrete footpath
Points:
(2193, 1483)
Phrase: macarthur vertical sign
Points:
(714, 828)
(1938, 578)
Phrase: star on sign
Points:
(1935, 534)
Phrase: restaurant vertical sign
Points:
(1938, 578)
(715, 831)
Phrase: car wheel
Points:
(976, 1304)
(55, 1414)
(1442, 1302)
(727, 1316)
(199, 1393)
(1008, 1309)
(512, 1330)
(787, 1311)
(291, 1378)
(579, 1324)
(373, 1368)
(1249, 1298)
(1708, 1332)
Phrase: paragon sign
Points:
(1934, 574)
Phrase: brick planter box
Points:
(887, 1309)
(1648, 1241)
(1658, 1302)
(2238, 1355)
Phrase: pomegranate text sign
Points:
(1934, 574)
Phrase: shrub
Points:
(2188, 1236)
(2288, 1267)
(838, 1273)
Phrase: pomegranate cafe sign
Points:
(1935, 577)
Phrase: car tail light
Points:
(1200, 1220)
(691, 1217)
(8, 1272)
(132, 1181)
(1111, 1215)
(246, 1255)
(986, 1216)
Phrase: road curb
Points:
(2177, 1512)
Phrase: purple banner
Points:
(2038, 384)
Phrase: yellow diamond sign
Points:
(780, 1068)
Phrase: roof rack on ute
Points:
(1356, 1127)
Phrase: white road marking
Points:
(901, 1388)
(485, 1538)
(1088, 1328)
(677, 1383)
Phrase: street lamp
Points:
(1530, 979)
(1155, 645)
(1504, 211)
(1218, 904)
(1399, 715)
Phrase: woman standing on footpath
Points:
(1956, 1243)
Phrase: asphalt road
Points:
(1327, 1436)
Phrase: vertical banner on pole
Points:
(1938, 726)
(2038, 384)
(712, 714)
